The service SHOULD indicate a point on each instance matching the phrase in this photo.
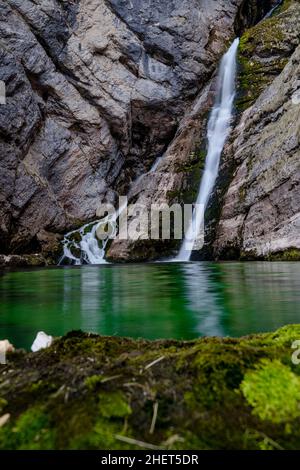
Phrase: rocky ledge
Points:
(93, 392)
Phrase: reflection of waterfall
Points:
(203, 298)
(90, 298)
(217, 132)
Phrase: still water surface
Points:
(182, 301)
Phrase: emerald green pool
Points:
(181, 301)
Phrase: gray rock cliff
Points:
(96, 90)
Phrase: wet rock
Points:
(34, 259)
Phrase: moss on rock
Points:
(264, 51)
(32, 430)
(97, 392)
(273, 391)
(291, 254)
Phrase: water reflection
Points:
(180, 301)
(203, 298)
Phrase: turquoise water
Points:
(181, 301)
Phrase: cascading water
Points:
(85, 243)
(82, 246)
(217, 133)
(270, 13)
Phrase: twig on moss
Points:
(154, 417)
(153, 363)
(135, 442)
(108, 379)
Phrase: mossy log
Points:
(93, 392)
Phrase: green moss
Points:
(31, 431)
(273, 391)
(39, 388)
(210, 393)
(285, 6)
(279, 341)
(92, 382)
(265, 40)
(75, 237)
(3, 404)
(196, 160)
(291, 254)
(113, 405)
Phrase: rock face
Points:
(260, 217)
(95, 91)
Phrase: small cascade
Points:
(270, 13)
(217, 132)
(82, 246)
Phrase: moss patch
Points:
(264, 51)
(113, 405)
(292, 254)
(273, 391)
(31, 431)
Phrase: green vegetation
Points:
(290, 254)
(3, 404)
(273, 391)
(31, 431)
(100, 392)
(263, 55)
(193, 168)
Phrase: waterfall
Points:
(217, 132)
(270, 13)
(85, 243)
(82, 246)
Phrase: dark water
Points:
(182, 301)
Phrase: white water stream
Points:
(217, 132)
(88, 244)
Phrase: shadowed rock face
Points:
(96, 90)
